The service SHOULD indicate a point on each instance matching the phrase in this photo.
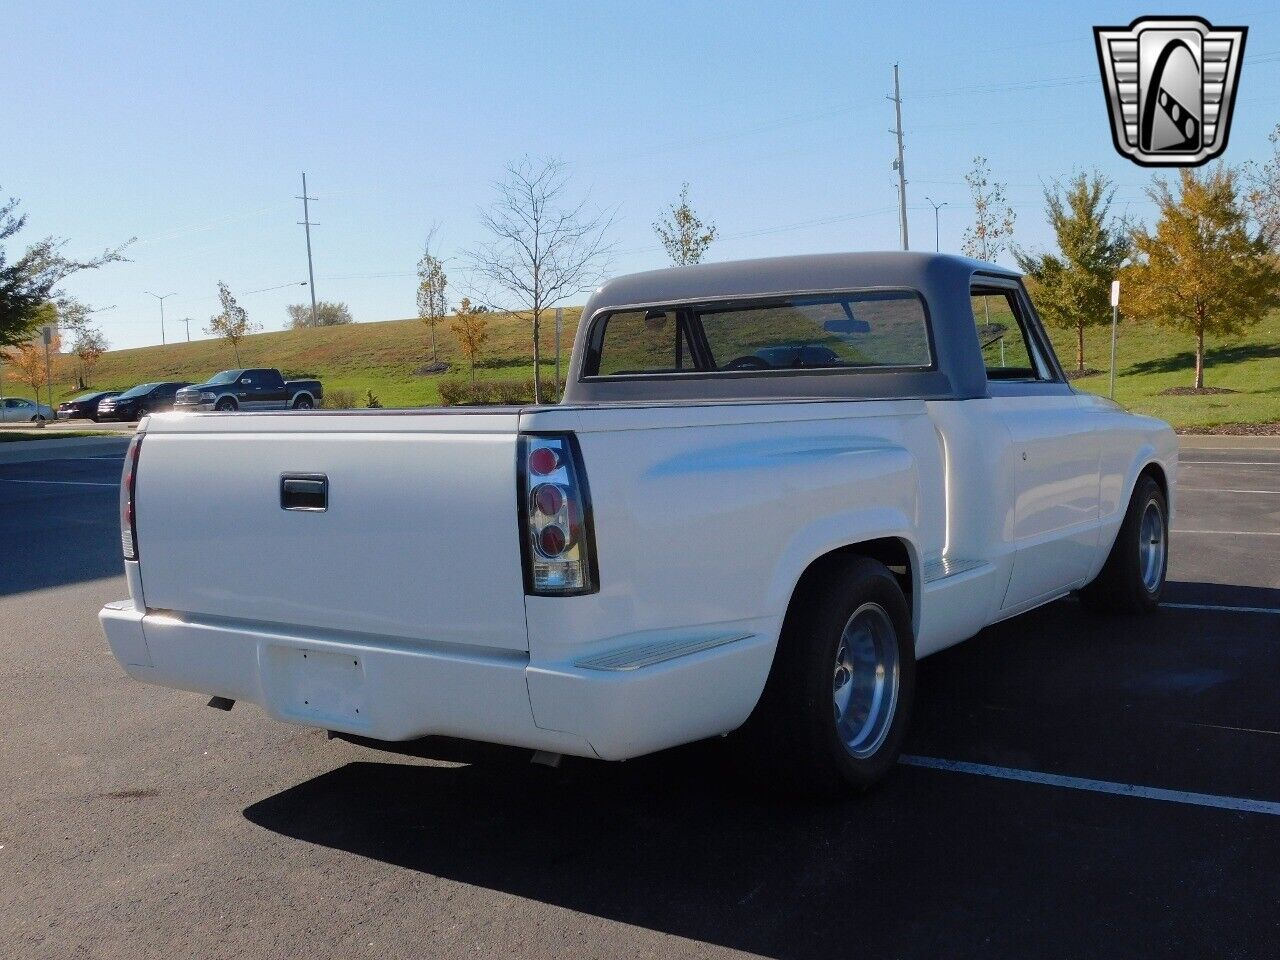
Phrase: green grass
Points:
(1152, 359)
(385, 357)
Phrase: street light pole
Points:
(162, 300)
(937, 244)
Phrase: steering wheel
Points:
(747, 362)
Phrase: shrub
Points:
(455, 392)
(371, 401)
(339, 400)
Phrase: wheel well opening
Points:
(1156, 473)
(891, 551)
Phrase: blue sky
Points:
(188, 126)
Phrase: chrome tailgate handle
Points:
(304, 491)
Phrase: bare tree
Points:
(992, 216)
(543, 250)
(433, 304)
(1262, 195)
(683, 235)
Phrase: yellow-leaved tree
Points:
(472, 330)
(1202, 271)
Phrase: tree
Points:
(232, 324)
(542, 250)
(1203, 271)
(328, 314)
(685, 237)
(433, 305)
(1263, 193)
(88, 346)
(33, 279)
(1072, 286)
(28, 359)
(472, 330)
(992, 216)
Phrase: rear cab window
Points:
(864, 330)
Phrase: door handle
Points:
(304, 491)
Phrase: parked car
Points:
(22, 410)
(254, 389)
(136, 402)
(688, 545)
(84, 406)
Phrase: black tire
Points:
(1127, 583)
(226, 405)
(304, 403)
(143, 412)
(795, 729)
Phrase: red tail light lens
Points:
(558, 543)
(128, 499)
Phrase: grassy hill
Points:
(387, 358)
(384, 357)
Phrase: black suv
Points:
(136, 403)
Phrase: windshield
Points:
(226, 376)
(140, 390)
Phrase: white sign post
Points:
(1115, 310)
(46, 334)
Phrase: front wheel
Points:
(835, 709)
(225, 405)
(1132, 579)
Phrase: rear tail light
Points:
(557, 543)
(128, 488)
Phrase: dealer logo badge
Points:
(1171, 85)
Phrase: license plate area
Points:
(316, 686)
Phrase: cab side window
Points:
(1010, 348)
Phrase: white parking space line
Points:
(1241, 804)
(63, 483)
(1221, 607)
(1182, 489)
(1233, 533)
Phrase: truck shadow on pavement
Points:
(929, 864)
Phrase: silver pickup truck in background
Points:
(770, 488)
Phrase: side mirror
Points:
(846, 325)
(655, 319)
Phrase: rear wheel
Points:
(835, 709)
(303, 403)
(1132, 579)
(226, 404)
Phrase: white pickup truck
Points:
(770, 488)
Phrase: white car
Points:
(22, 410)
(709, 534)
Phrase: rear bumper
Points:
(392, 690)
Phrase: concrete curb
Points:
(30, 451)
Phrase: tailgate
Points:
(418, 539)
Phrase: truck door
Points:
(273, 395)
(1054, 517)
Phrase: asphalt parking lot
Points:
(1074, 787)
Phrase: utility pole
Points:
(187, 321)
(162, 300)
(1115, 319)
(306, 222)
(902, 174)
(937, 243)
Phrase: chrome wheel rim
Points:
(864, 689)
(1151, 546)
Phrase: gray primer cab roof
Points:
(942, 279)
